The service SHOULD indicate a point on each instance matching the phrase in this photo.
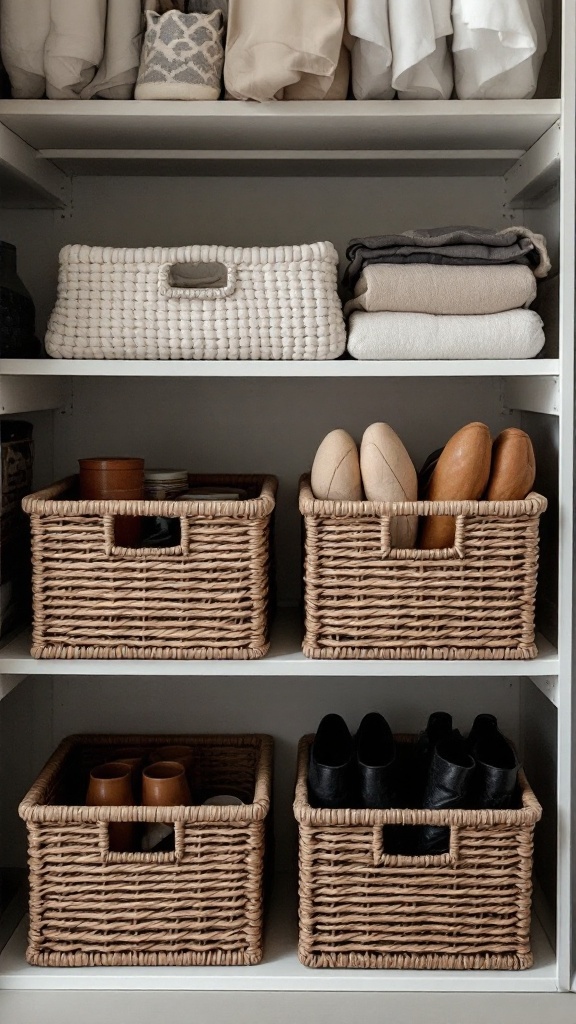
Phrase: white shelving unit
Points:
(173, 173)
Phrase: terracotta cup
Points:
(135, 758)
(183, 754)
(164, 784)
(111, 786)
(122, 479)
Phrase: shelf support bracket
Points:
(548, 685)
(30, 179)
(533, 181)
(531, 394)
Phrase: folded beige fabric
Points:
(23, 33)
(427, 288)
(278, 43)
(74, 47)
(118, 71)
(307, 88)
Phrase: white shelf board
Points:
(280, 970)
(26, 181)
(349, 125)
(339, 368)
(284, 659)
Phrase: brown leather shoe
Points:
(513, 466)
(461, 473)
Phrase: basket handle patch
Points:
(382, 858)
(112, 857)
(113, 550)
(456, 553)
(196, 280)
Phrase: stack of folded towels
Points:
(446, 293)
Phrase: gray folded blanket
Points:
(465, 246)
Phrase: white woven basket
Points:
(197, 302)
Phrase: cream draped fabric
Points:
(277, 45)
(24, 29)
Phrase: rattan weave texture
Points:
(201, 904)
(466, 909)
(366, 599)
(208, 598)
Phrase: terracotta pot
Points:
(164, 784)
(111, 786)
(121, 479)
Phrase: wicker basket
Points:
(366, 599)
(206, 598)
(200, 904)
(466, 909)
(197, 302)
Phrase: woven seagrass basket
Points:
(200, 904)
(366, 599)
(206, 598)
(362, 907)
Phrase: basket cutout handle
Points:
(114, 550)
(136, 856)
(383, 859)
(456, 553)
(196, 280)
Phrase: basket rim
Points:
(79, 253)
(31, 808)
(49, 501)
(533, 505)
(305, 814)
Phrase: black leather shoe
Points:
(448, 785)
(331, 772)
(483, 727)
(439, 728)
(496, 776)
(376, 755)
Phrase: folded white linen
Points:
(498, 47)
(24, 29)
(368, 23)
(400, 45)
(116, 76)
(429, 288)
(277, 43)
(74, 47)
(515, 334)
(421, 62)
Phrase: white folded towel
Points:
(421, 62)
(515, 334)
(498, 47)
(371, 53)
(74, 47)
(116, 76)
(400, 45)
(24, 28)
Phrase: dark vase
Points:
(17, 314)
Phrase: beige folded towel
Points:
(278, 43)
(116, 76)
(426, 288)
(74, 47)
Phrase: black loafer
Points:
(448, 785)
(331, 770)
(376, 756)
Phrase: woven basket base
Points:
(423, 653)
(409, 961)
(151, 653)
(216, 958)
